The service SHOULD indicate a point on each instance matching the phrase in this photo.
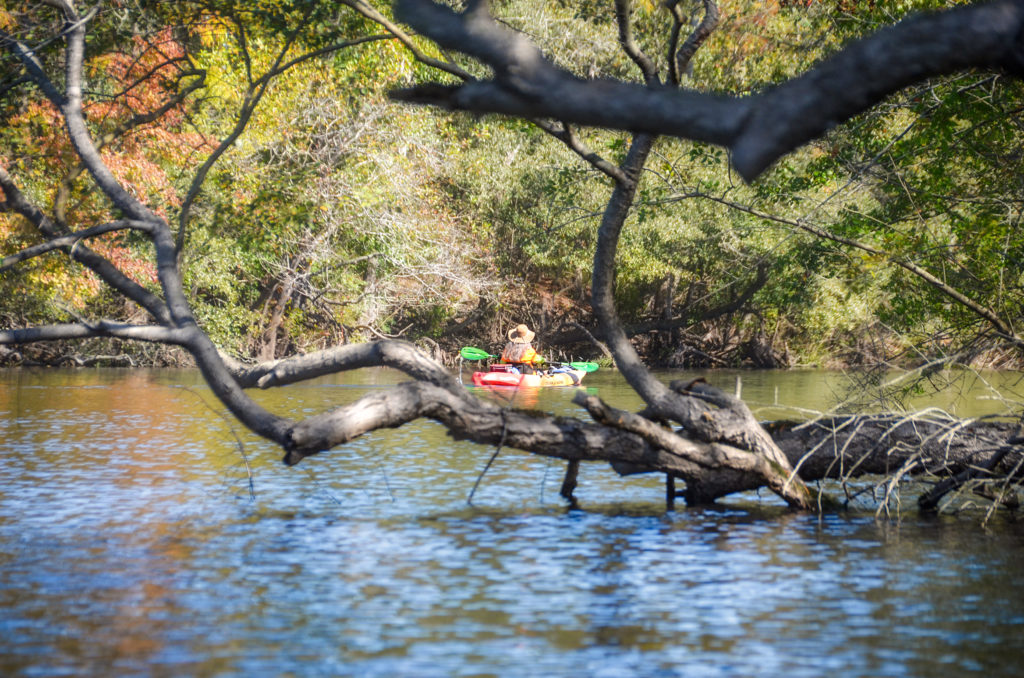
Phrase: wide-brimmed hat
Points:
(520, 334)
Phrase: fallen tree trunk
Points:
(951, 453)
(851, 446)
(730, 443)
(948, 452)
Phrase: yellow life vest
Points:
(519, 352)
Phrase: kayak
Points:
(500, 376)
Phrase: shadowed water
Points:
(143, 533)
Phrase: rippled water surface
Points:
(143, 533)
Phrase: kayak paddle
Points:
(470, 353)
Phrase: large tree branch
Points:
(844, 448)
(714, 456)
(758, 129)
(90, 330)
(78, 132)
(469, 418)
(400, 355)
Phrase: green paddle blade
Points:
(470, 353)
(585, 367)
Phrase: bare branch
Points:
(675, 76)
(990, 316)
(370, 13)
(35, 69)
(249, 104)
(250, 101)
(623, 10)
(399, 355)
(682, 58)
(66, 241)
(154, 70)
(565, 134)
(136, 120)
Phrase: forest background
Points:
(331, 214)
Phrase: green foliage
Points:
(944, 194)
(225, 308)
(371, 217)
(339, 195)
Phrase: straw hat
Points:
(520, 334)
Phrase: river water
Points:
(142, 533)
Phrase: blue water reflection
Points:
(129, 545)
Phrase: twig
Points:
(497, 450)
(238, 441)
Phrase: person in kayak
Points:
(519, 352)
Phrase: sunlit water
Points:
(143, 533)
